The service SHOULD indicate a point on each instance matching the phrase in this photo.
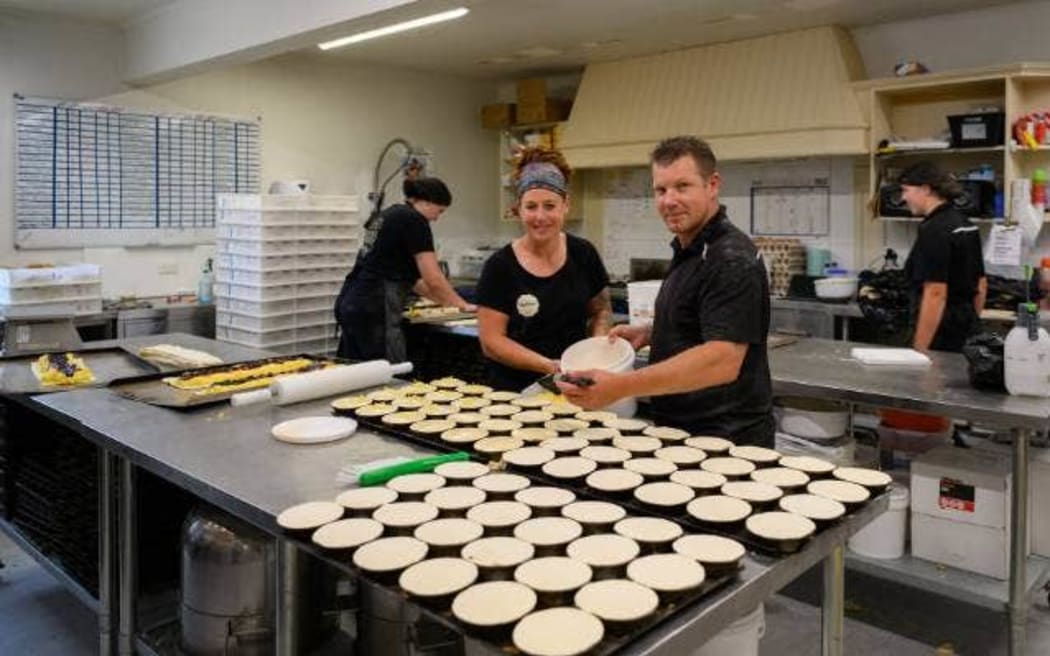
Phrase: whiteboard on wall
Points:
(801, 210)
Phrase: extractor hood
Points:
(785, 95)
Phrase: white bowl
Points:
(813, 419)
(836, 288)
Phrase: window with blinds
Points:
(92, 175)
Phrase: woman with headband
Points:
(546, 289)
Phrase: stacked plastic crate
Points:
(280, 262)
(74, 289)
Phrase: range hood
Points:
(779, 96)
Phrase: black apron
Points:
(370, 316)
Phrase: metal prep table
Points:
(823, 368)
(226, 456)
(105, 603)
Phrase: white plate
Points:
(314, 430)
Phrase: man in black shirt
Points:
(945, 266)
(707, 372)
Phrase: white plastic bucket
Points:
(739, 638)
(616, 356)
(641, 301)
(884, 537)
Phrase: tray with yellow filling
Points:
(61, 370)
(217, 383)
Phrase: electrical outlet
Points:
(168, 269)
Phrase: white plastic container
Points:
(1026, 360)
(813, 419)
(641, 301)
(835, 288)
(885, 536)
(616, 356)
(739, 638)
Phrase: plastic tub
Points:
(835, 288)
(813, 419)
(616, 356)
(641, 301)
(739, 638)
(885, 536)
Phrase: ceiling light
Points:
(395, 28)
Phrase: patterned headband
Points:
(542, 175)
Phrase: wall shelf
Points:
(929, 152)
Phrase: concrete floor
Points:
(38, 617)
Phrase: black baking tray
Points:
(107, 363)
(152, 389)
(683, 519)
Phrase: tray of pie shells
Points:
(705, 483)
(540, 570)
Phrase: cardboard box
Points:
(552, 109)
(1039, 500)
(498, 115)
(1038, 491)
(963, 485)
(532, 91)
(980, 549)
(960, 503)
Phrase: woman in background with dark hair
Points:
(397, 257)
(945, 266)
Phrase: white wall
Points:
(985, 37)
(328, 121)
(631, 226)
(321, 120)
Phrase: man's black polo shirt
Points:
(717, 290)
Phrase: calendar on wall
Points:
(802, 210)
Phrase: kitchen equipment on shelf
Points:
(227, 591)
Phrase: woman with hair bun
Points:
(397, 257)
(945, 266)
(546, 289)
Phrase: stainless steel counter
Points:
(226, 456)
(821, 367)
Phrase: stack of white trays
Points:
(280, 261)
(74, 289)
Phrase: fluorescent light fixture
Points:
(395, 28)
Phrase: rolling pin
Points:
(296, 388)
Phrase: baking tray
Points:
(610, 644)
(683, 519)
(152, 389)
(107, 363)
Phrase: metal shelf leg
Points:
(1018, 606)
(107, 512)
(128, 558)
(833, 603)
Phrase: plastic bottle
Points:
(1039, 179)
(204, 286)
(1027, 355)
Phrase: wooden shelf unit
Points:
(918, 107)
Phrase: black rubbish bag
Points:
(984, 357)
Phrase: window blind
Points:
(95, 175)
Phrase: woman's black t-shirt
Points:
(391, 253)
(544, 314)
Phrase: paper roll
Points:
(297, 388)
